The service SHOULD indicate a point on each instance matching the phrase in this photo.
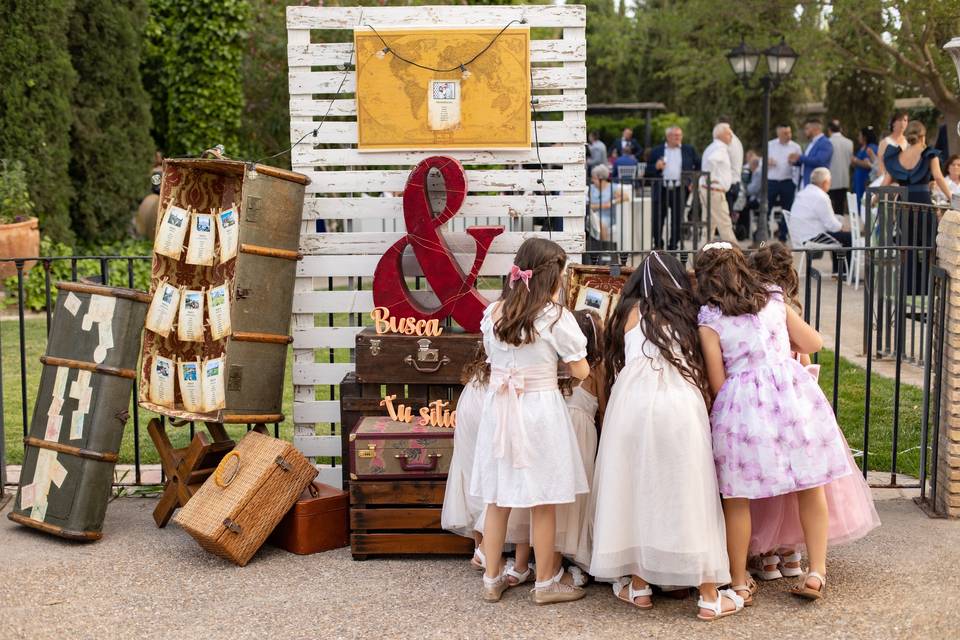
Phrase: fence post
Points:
(948, 462)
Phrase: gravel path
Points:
(903, 581)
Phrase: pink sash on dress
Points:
(509, 385)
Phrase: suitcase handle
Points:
(433, 458)
(218, 475)
(413, 362)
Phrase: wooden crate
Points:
(402, 516)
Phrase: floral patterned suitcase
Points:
(386, 449)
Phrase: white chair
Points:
(826, 243)
(857, 241)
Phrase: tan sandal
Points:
(750, 588)
(805, 591)
(632, 594)
(717, 606)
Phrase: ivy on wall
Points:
(192, 70)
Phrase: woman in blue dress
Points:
(915, 167)
(865, 162)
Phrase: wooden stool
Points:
(187, 468)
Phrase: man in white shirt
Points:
(839, 167)
(781, 180)
(812, 219)
(716, 162)
(735, 149)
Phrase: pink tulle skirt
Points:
(776, 520)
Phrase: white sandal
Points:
(790, 572)
(758, 566)
(632, 594)
(807, 592)
(717, 606)
(478, 561)
(510, 571)
(493, 588)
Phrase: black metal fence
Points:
(897, 413)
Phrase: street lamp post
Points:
(744, 60)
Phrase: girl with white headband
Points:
(657, 518)
(526, 454)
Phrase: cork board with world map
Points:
(488, 109)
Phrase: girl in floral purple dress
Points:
(774, 432)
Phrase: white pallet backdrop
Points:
(332, 296)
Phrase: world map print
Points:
(393, 95)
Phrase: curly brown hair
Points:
(773, 264)
(478, 369)
(520, 307)
(726, 281)
(668, 317)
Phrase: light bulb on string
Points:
(383, 53)
(466, 72)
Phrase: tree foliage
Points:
(110, 139)
(35, 114)
(193, 72)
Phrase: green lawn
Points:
(851, 404)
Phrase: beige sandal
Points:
(805, 591)
(750, 588)
(632, 594)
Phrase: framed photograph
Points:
(592, 287)
(590, 298)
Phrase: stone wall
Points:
(948, 465)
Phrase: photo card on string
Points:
(228, 229)
(200, 248)
(190, 389)
(163, 308)
(218, 305)
(172, 232)
(190, 320)
(161, 381)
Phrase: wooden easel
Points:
(187, 468)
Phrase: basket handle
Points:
(220, 475)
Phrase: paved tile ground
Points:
(140, 582)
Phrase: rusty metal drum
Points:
(82, 407)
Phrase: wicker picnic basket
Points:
(238, 506)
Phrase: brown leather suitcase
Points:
(319, 521)
(393, 358)
(385, 449)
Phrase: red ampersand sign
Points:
(458, 297)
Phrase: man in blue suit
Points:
(667, 162)
(818, 153)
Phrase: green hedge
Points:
(610, 127)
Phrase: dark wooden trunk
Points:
(413, 359)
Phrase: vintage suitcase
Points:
(400, 516)
(358, 400)
(269, 203)
(82, 406)
(414, 359)
(241, 503)
(385, 449)
(319, 521)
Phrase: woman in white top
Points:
(952, 179)
(898, 124)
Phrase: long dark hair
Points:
(661, 291)
(773, 264)
(478, 369)
(519, 307)
(869, 135)
(726, 281)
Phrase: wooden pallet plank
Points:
(395, 518)
(406, 492)
(419, 16)
(425, 543)
(476, 206)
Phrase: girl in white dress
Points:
(656, 508)
(584, 403)
(527, 456)
(461, 510)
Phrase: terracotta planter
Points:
(18, 240)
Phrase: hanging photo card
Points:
(200, 247)
(172, 231)
(229, 232)
(443, 104)
(189, 380)
(212, 385)
(190, 322)
(163, 308)
(161, 381)
(218, 305)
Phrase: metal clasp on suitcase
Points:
(369, 452)
(283, 464)
(431, 465)
(232, 526)
(426, 354)
(374, 346)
